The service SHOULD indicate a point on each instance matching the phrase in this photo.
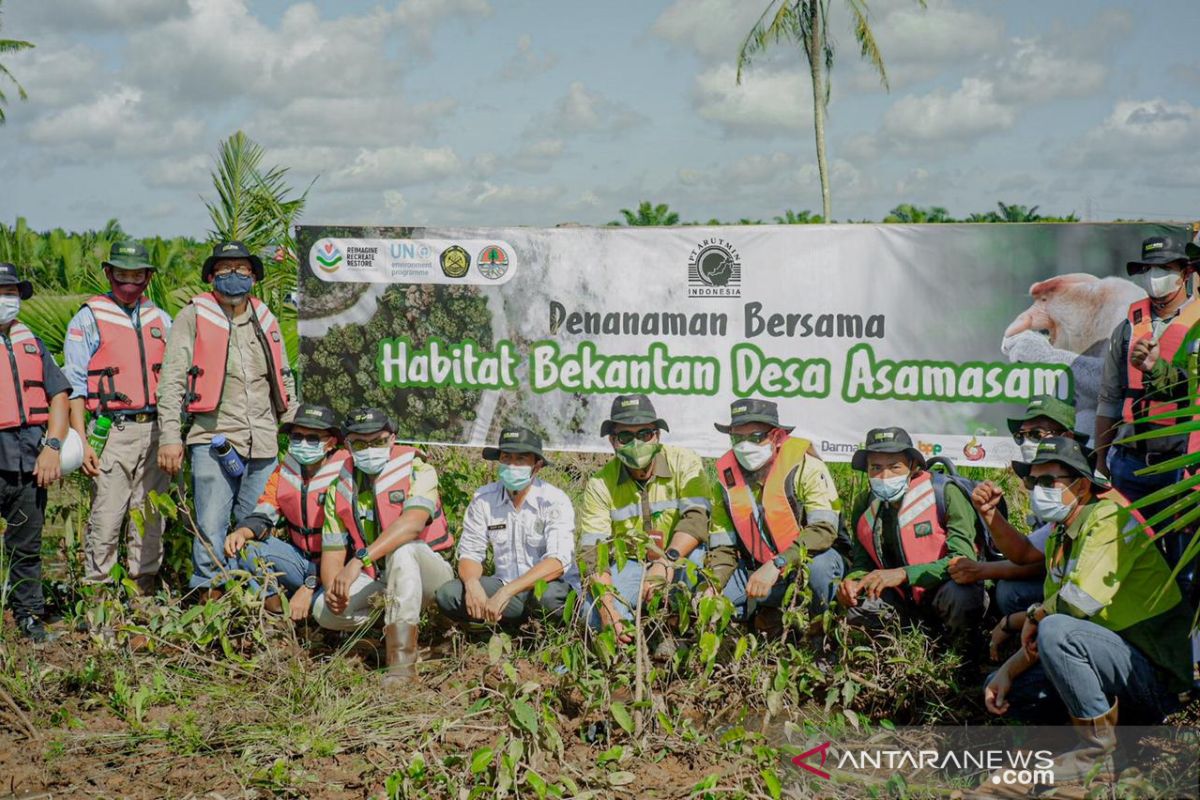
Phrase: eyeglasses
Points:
(1140, 269)
(643, 435)
(312, 438)
(1048, 481)
(233, 271)
(1034, 435)
(358, 445)
(758, 437)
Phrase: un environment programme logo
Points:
(493, 262)
(329, 256)
(714, 269)
(455, 262)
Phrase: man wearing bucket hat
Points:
(530, 527)
(226, 368)
(650, 492)
(112, 355)
(774, 515)
(33, 424)
(293, 499)
(1112, 632)
(384, 532)
(903, 542)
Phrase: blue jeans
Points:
(626, 582)
(1014, 596)
(1087, 667)
(823, 571)
(278, 557)
(1122, 464)
(219, 499)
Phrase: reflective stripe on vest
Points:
(922, 537)
(23, 398)
(1141, 326)
(391, 491)
(765, 531)
(302, 503)
(122, 374)
(206, 376)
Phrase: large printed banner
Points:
(945, 330)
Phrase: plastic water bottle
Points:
(99, 434)
(231, 462)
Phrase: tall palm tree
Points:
(806, 23)
(906, 212)
(647, 215)
(10, 46)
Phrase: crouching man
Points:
(529, 526)
(384, 532)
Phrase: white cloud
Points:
(525, 63)
(389, 167)
(714, 29)
(967, 113)
(418, 18)
(538, 155)
(767, 101)
(175, 173)
(1033, 74)
(94, 16)
(118, 122)
(581, 110)
(1141, 131)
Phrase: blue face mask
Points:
(307, 453)
(515, 478)
(233, 285)
(889, 489)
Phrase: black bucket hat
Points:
(128, 254)
(231, 249)
(368, 420)
(632, 409)
(886, 440)
(9, 277)
(516, 440)
(1059, 449)
(310, 415)
(1156, 251)
(744, 411)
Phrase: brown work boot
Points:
(401, 648)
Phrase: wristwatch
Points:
(672, 555)
(780, 562)
(52, 443)
(311, 582)
(1031, 613)
(361, 555)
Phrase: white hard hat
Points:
(71, 453)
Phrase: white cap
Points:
(71, 453)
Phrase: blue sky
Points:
(476, 112)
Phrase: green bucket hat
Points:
(1049, 406)
(744, 411)
(128, 254)
(632, 409)
(1068, 452)
(516, 440)
(886, 440)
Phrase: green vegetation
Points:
(10, 46)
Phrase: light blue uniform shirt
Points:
(83, 340)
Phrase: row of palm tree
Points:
(651, 214)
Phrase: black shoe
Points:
(31, 628)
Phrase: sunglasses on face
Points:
(234, 270)
(359, 445)
(1141, 269)
(1034, 435)
(312, 438)
(644, 435)
(1048, 481)
(758, 437)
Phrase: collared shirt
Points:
(245, 415)
(543, 527)
(83, 340)
(19, 447)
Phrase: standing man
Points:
(384, 532)
(650, 488)
(774, 514)
(34, 414)
(530, 527)
(226, 367)
(113, 352)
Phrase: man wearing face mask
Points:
(33, 423)
(384, 532)
(112, 355)
(294, 499)
(774, 515)
(226, 367)
(1113, 628)
(530, 527)
(903, 542)
(651, 489)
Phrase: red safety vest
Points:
(23, 398)
(122, 374)
(211, 351)
(391, 490)
(302, 502)
(922, 537)
(1136, 407)
(765, 531)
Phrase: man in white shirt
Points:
(530, 526)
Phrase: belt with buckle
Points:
(141, 416)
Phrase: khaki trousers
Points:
(128, 473)
(414, 573)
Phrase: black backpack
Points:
(943, 472)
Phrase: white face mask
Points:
(1159, 282)
(889, 489)
(9, 308)
(1028, 450)
(372, 460)
(753, 456)
(1047, 503)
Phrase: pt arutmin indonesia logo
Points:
(714, 269)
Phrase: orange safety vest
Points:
(301, 501)
(922, 537)
(765, 531)
(23, 398)
(1123, 502)
(391, 490)
(211, 352)
(1136, 406)
(122, 374)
